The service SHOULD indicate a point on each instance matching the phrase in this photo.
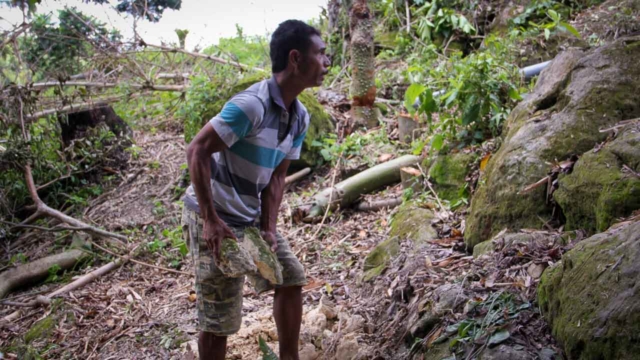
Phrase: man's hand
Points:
(270, 238)
(213, 232)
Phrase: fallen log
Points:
(38, 270)
(349, 190)
(78, 283)
(297, 176)
(379, 204)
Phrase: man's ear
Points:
(294, 59)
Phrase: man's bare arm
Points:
(199, 154)
(271, 199)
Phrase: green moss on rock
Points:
(590, 298)
(414, 223)
(41, 329)
(379, 258)
(448, 173)
(578, 94)
(599, 190)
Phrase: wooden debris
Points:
(349, 190)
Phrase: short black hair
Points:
(290, 35)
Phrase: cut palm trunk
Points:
(363, 86)
(411, 178)
(38, 270)
(348, 191)
(407, 127)
(249, 255)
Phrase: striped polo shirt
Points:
(259, 133)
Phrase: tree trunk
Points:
(406, 128)
(363, 86)
(349, 190)
(38, 270)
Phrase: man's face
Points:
(315, 63)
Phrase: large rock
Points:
(448, 174)
(600, 189)
(590, 298)
(576, 96)
(410, 222)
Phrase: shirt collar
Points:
(276, 95)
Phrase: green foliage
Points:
(57, 49)
(351, 146)
(478, 92)
(492, 316)
(267, 353)
(152, 10)
(437, 22)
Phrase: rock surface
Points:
(448, 174)
(601, 189)
(579, 94)
(590, 298)
(410, 222)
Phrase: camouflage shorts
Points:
(220, 297)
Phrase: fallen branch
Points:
(379, 204)
(349, 190)
(38, 270)
(297, 176)
(105, 85)
(80, 282)
(44, 209)
(204, 56)
(142, 262)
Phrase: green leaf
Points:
(411, 95)
(437, 142)
(471, 111)
(267, 353)
(547, 33)
(554, 15)
(452, 95)
(570, 29)
(498, 337)
(427, 103)
(514, 94)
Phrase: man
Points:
(238, 164)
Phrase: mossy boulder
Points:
(410, 222)
(379, 258)
(590, 298)
(210, 104)
(413, 223)
(600, 189)
(448, 174)
(576, 96)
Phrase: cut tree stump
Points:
(412, 178)
(249, 255)
(38, 270)
(407, 127)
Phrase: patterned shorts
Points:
(220, 297)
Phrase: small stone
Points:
(536, 270)
(315, 322)
(308, 352)
(347, 349)
(352, 324)
(450, 297)
(327, 307)
(272, 332)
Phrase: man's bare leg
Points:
(287, 311)
(212, 347)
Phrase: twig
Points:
(326, 212)
(142, 262)
(204, 56)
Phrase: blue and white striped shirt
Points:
(259, 133)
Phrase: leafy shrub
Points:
(477, 93)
